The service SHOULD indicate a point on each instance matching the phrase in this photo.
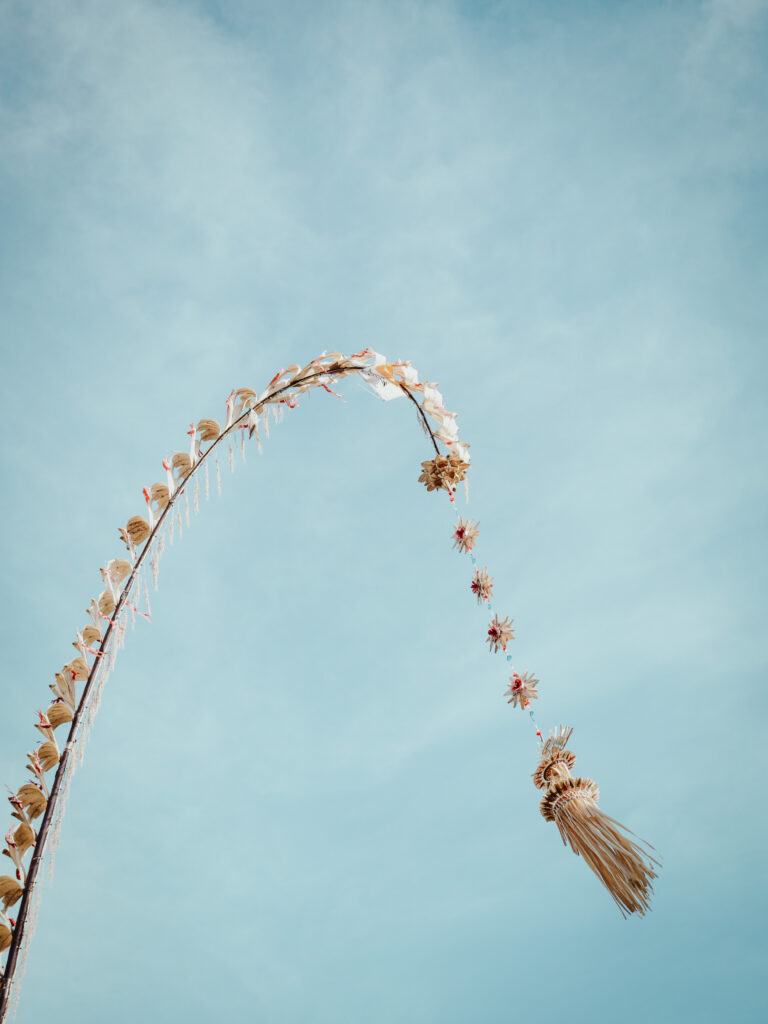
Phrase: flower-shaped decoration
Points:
(522, 689)
(465, 534)
(500, 632)
(444, 471)
(482, 585)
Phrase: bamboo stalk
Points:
(6, 980)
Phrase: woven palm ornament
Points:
(571, 803)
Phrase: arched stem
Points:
(6, 980)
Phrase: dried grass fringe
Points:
(623, 866)
(60, 809)
(29, 931)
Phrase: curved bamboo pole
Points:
(65, 760)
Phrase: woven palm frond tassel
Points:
(571, 802)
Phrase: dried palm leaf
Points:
(108, 580)
(160, 496)
(557, 740)
(306, 371)
(138, 529)
(64, 688)
(106, 603)
(182, 464)
(19, 814)
(6, 937)
(448, 432)
(289, 373)
(15, 856)
(91, 634)
(10, 891)
(208, 430)
(244, 399)
(253, 426)
(337, 364)
(57, 714)
(279, 380)
(44, 726)
(244, 395)
(48, 755)
(32, 799)
(79, 667)
(34, 766)
(23, 837)
(119, 569)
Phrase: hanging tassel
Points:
(621, 864)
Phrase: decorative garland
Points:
(621, 864)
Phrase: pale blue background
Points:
(305, 798)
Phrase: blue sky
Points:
(304, 797)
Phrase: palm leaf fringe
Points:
(621, 864)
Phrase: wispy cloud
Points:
(558, 212)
